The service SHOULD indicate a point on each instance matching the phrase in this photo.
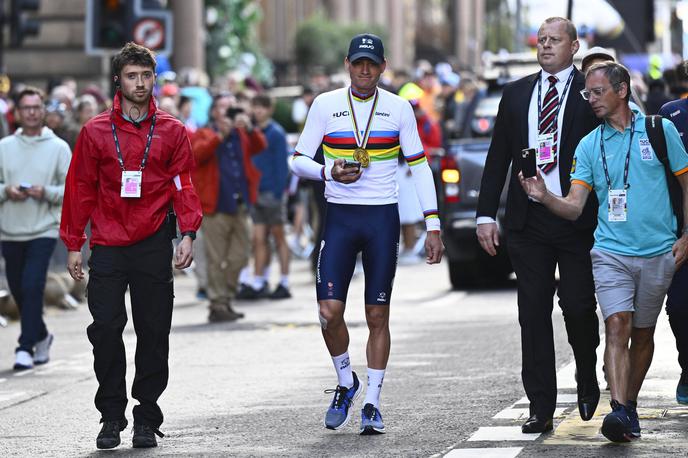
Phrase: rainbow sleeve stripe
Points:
(429, 214)
(416, 159)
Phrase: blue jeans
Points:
(26, 267)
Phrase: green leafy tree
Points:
(322, 43)
(231, 41)
(500, 32)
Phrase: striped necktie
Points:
(548, 120)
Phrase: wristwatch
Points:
(190, 234)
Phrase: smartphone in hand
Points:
(351, 165)
(24, 186)
(528, 162)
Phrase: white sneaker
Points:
(41, 354)
(23, 361)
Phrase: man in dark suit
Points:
(546, 112)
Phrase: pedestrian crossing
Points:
(664, 423)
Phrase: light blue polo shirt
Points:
(650, 229)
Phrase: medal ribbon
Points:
(361, 143)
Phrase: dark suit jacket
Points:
(510, 136)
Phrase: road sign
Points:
(149, 32)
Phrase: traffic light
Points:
(109, 27)
(20, 25)
(112, 23)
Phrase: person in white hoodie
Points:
(33, 167)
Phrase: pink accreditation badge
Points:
(545, 149)
(131, 184)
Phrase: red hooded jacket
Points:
(206, 176)
(92, 189)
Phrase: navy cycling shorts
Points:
(350, 229)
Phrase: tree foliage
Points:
(322, 43)
(231, 42)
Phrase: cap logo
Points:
(366, 43)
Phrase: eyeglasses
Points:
(596, 91)
(28, 108)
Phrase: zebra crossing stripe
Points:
(502, 452)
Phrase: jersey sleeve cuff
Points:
(681, 172)
(432, 220)
(582, 183)
(326, 173)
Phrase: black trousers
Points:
(146, 268)
(535, 252)
(677, 309)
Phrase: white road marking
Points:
(501, 433)
(504, 452)
(562, 398)
(518, 413)
(9, 395)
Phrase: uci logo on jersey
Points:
(340, 114)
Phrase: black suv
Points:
(458, 171)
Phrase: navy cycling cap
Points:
(366, 45)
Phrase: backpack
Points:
(655, 133)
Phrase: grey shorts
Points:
(632, 284)
(269, 210)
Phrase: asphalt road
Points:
(255, 387)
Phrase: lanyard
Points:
(145, 152)
(362, 142)
(628, 156)
(561, 98)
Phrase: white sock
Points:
(258, 282)
(284, 281)
(343, 367)
(245, 276)
(375, 378)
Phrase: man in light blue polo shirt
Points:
(636, 251)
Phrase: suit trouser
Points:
(227, 248)
(146, 268)
(535, 252)
(677, 309)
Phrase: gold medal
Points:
(362, 156)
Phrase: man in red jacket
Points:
(131, 166)
(227, 183)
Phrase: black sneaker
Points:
(245, 292)
(281, 292)
(144, 436)
(252, 294)
(108, 437)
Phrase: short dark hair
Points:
(30, 90)
(262, 100)
(132, 54)
(570, 27)
(615, 73)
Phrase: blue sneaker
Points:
(631, 408)
(682, 390)
(616, 425)
(339, 413)
(371, 421)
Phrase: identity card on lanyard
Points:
(132, 179)
(545, 141)
(617, 199)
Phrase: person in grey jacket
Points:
(33, 167)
